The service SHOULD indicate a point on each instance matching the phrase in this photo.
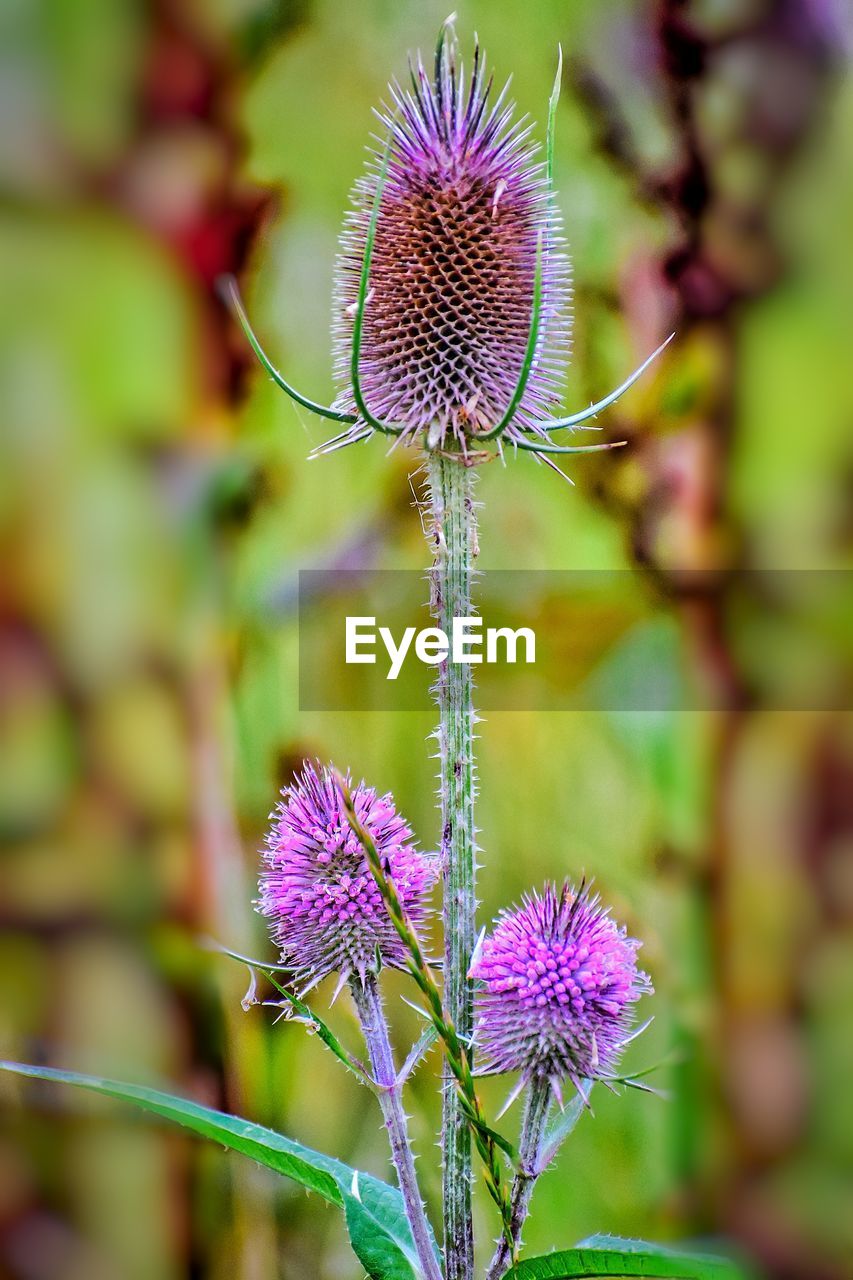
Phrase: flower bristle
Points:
(462, 209)
(558, 984)
(325, 910)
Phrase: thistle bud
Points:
(559, 981)
(325, 910)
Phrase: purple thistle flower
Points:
(559, 980)
(317, 890)
(452, 272)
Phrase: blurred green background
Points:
(156, 504)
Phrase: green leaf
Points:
(611, 1256)
(378, 1229)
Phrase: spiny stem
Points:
(454, 527)
(536, 1107)
(368, 1004)
(457, 1053)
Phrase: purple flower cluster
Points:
(559, 980)
(454, 260)
(325, 910)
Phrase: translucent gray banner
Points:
(581, 640)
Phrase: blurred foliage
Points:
(156, 504)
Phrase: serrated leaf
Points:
(611, 1256)
(378, 1229)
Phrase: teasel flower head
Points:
(325, 910)
(558, 982)
(452, 295)
(462, 211)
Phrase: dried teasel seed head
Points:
(464, 209)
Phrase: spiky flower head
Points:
(462, 212)
(559, 981)
(325, 911)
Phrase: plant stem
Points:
(457, 1055)
(368, 1003)
(537, 1104)
(454, 529)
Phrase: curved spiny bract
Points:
(583, 415)
(529, 355)
(364, 412)
(545, 446)
(230, 293)
(450, 299)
